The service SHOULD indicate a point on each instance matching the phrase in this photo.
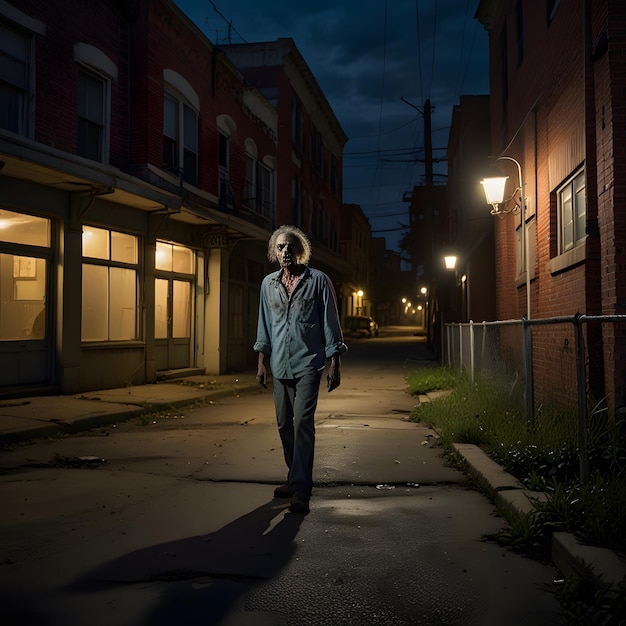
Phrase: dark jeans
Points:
(296, 401)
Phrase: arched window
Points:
(95, 73)
(181, 107)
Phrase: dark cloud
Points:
(368, 57)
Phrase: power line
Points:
(461, 49)
(228, 22)
(419, 47)
(432, 66)
(382, 94)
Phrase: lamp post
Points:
(494, 192)
(449, 261)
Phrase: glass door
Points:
(25, 343)
(173, 295)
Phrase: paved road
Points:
(178, 525)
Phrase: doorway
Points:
(173, 305)
(25, 341)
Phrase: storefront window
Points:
(23, 276)
(24, 229)
(109, 296)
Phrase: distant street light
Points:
(450, 261)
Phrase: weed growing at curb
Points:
(543, 457)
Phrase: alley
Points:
(171, 520)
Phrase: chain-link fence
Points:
(560, 363)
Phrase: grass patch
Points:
(433, 379)
(543, 456)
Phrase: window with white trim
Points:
(265, 190)
(572, 212)
(297, 123)
(15, 83)
(180, 137)
(96, 71)
(109, 295)
(92, 115)
(226, 194)
(250, 197)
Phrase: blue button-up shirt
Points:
(302, 331)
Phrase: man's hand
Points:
(334, 374)
(261, 372)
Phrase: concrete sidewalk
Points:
(24, 419)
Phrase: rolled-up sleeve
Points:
(263, 341)
(332, 328)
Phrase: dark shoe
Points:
(282, 491)
(299, 503)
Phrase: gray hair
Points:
(303, 246)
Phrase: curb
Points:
(600, 565)
(131, 410)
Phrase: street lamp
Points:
(450, 261)
(494, 192)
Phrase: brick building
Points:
(557, 73)
(309, 151)
(138, 188)
(471, 225)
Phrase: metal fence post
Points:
(527, 341)
(472, 350)
(581, 377)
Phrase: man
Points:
(298, 328)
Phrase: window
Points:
(297, 123)
(226, 194)
(24, 261)
(15, 91)
(180, 137)
(296, 201)
(572, 212)
(92, 99)
(315, 141)
(259, 186)
(95, 73)
(109, 297)
(250, 197)
(334, 186)
(265, 191)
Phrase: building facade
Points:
(309, 151)
(138, 187)
(561, 122)
(472, 226)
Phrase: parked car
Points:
(360, 326)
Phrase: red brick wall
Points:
(545, 106)
(161, 37)
(94, 23)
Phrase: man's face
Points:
(286, 246)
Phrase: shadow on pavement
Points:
(203, 577)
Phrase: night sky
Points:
(377, 62)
